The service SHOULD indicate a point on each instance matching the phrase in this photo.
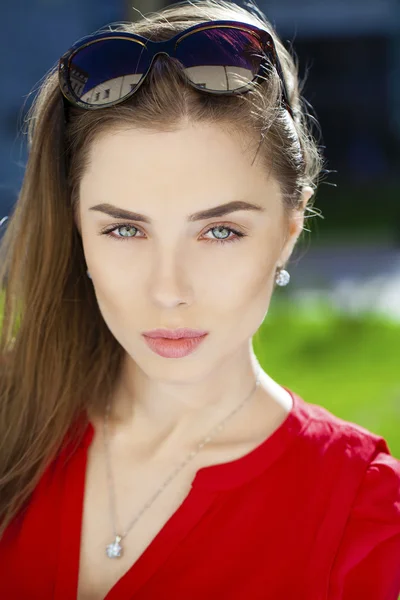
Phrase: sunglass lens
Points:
(107, 70)
(220, 59)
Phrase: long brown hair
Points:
(59, 359)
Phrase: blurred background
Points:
(333, 334)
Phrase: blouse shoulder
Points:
(367, 563)
(379, 494)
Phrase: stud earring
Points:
(88, 274)
(282, 277)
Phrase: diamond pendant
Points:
(114, 550)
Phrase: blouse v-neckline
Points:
(207, 484)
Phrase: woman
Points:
(138, 463)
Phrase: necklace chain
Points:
(114, 550)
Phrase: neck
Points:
(169, 409)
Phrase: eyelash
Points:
(238, 234)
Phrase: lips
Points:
(170, 348)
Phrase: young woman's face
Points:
(173, 271)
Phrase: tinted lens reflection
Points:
(107, 70)
(220, 59)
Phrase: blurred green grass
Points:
(348, 364)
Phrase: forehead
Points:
(197, 163)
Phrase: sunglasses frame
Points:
(167, 47)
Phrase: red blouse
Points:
(312, 513)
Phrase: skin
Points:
(172, 275)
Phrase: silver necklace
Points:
(114, 550)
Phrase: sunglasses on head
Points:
(217, 57)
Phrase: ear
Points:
(295, 227)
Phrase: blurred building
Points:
(352, 50)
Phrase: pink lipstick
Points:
(174, 343)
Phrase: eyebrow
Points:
(210, 213)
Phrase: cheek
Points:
(244, 286)
(116, 305)
(122, 310)
(117, 286)
(243, 312)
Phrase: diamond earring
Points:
(282, 277)
(88, 274)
